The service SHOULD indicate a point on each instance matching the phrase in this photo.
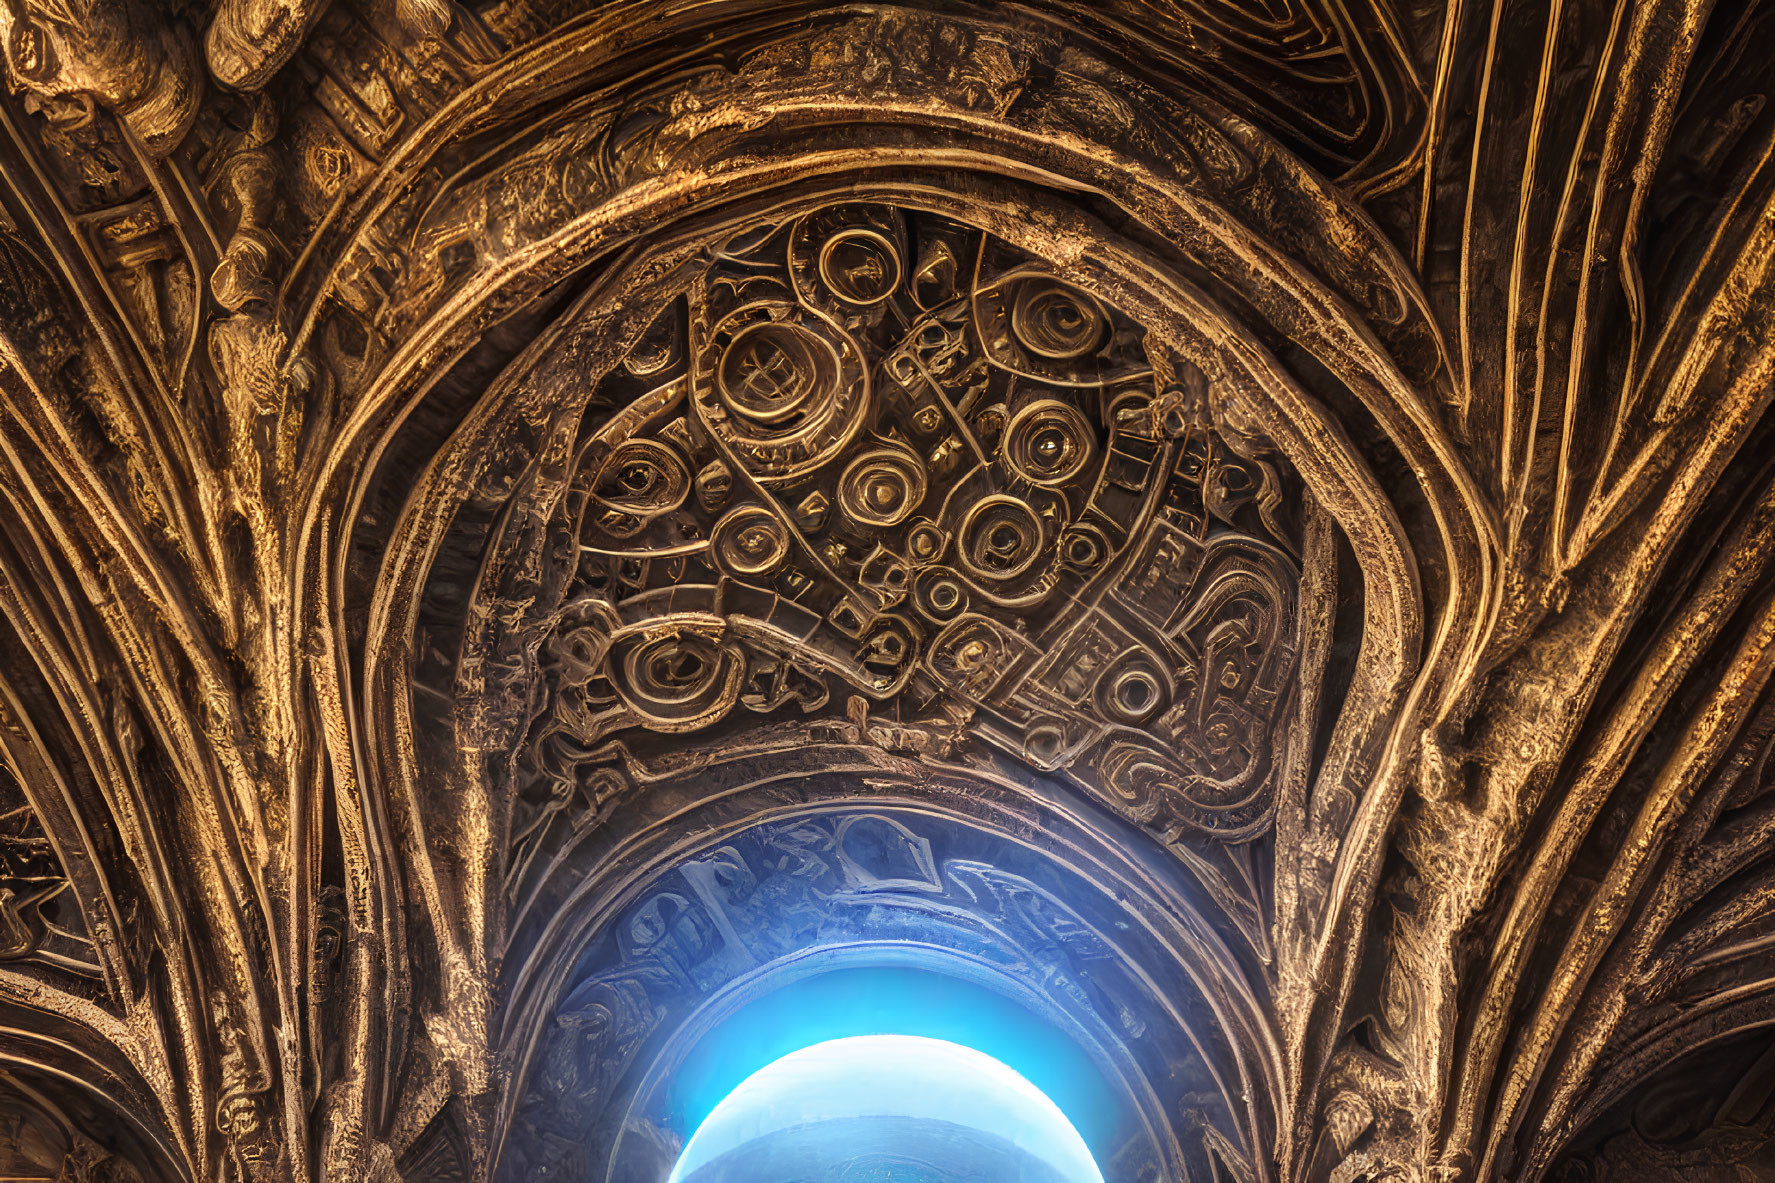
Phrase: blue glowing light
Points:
(900, 1082)
(882, 1000)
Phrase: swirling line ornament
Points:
(638, 481)
(922, 459)
(1048, 443)
(1139, 781)
(1000, 538)
(750, 541)
(882, 487)
(677, 679)
(1055, 321)
(783, 387)
(1035, 325)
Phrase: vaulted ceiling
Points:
(525, 525)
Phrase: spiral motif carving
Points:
(1084, 547)
(1139, 780)
(1135, 690)
(750, 541)
(639, 480)
(1055, 321)
(882, 487)
(678, 681)
(1000, 538)
(961, 478)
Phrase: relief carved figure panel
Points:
(530, 526)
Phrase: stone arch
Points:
(1171, 210)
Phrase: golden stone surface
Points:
(521, 522)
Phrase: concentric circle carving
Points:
(1049, 443)
(781, 386)
(848, 259)
(643, 477)
(1000, 538)
(860, 266)
(960, 490)
(772, 371)
(939, 595)
(1134, 690)
(676, 681)
(750, 541)
(882, 487)
(640, 480)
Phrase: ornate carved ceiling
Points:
(528, 526)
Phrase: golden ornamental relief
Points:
(532, 531)
(879, 453)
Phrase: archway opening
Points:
(894, 1108)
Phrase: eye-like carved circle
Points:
(1044, 743)
(1048, 442)
(638, 481)
(882, 487)
(1133, 692)
(1057, 322)
(1001, 538)
(860, 266)
(750, 541)
(679, 681)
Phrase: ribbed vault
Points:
(526, 528)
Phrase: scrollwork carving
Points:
(445, 446)
(929, 468)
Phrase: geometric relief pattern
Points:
(877, 453)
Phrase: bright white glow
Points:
(904, 1076)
